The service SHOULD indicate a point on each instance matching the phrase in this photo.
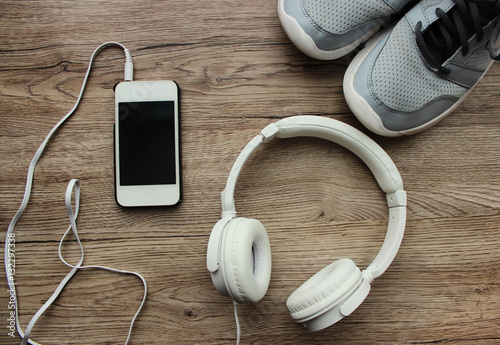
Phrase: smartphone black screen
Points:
(147, 143)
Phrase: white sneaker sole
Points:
(365, 113)
(306, 44)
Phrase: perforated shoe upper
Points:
(334, 27)
(415, 74)
(400, 78)
(341, 16)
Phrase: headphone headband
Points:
(377, 160)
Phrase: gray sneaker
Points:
(410, 78)
(329, 29)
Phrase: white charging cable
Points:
(74, 185)
(238, 329)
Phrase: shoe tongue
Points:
(438, 50)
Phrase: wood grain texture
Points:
(238, 72)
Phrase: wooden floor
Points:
(238, 72)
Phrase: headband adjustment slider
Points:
(269, 132)
(396, 199)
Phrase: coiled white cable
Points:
(9, 252)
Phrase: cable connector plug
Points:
(129, 66)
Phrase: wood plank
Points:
(238, 72)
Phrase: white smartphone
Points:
(147, 144)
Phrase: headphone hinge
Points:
(269, 132)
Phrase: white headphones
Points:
(239, 254)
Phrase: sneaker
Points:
(412, 77)
(329, 29)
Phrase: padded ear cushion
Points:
(246, 254)
(324, 289)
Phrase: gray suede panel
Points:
(323, 39)
(463, 76)
(393, 119)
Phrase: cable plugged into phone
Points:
(129, 66)
(73, 187)
(147, 144)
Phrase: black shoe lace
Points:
(454, 29)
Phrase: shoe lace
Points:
(454, 29)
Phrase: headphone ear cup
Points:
(324, 290)
(246, 254)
